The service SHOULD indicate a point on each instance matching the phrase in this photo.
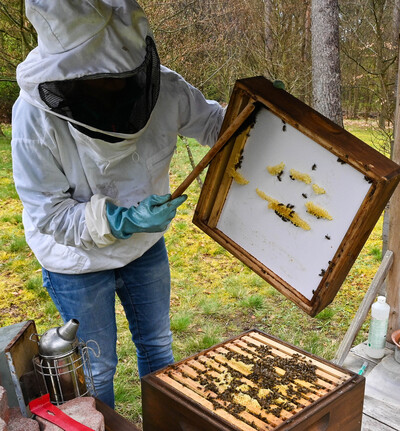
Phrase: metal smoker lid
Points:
(59, 341)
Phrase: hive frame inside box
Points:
(255, 221)
(174, 400)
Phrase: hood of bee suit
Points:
(91, 39)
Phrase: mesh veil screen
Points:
(124, 111)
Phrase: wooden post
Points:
(393, 279)
(365, 306)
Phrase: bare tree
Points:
(326, 59)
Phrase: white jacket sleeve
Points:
(46, 195)
(200, 118)
(97, 222)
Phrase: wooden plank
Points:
(388, 414)
(371, 424)
(364, 307)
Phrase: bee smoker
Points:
(62, 366)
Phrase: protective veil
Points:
(69, 157)
(80, 41)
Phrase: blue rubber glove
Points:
(152, 215)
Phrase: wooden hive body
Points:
(225, 388)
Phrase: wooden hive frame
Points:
(192, 394)
(381, 174)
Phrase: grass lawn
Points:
(214, 296)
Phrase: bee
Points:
(292, 178)
(279, 176)
(304, 195)
(284, 126)
(314, 167)
(322, 273)
(327, 237)
(368, 179)
(313, 291)
(239, 163)
(342, 162)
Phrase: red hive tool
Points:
(42, 407)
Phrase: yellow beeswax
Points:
(237, 177)
(317, 211)
(318, 190)
(284, 211)
(300, 176)
(277, 169)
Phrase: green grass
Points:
(214, 296)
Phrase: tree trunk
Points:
(269, 40)
(393, 279)
(396, 22)
(325, 59)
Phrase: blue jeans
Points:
(143, 287)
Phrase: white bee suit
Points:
(62, 175)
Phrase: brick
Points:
(18, 422)
(3, 425)
(4, 414)
(82, 410)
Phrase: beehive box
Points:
(293, 195)
(252, 382)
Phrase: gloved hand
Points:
(152, 215)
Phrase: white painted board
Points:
(294, 254)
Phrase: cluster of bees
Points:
(271, 383)
(285, 212)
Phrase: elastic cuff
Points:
(97, 222)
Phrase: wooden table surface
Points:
(378, 415)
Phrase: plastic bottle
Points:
(378, 328)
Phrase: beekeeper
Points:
(94, 130)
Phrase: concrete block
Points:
(4, 414)
(81, 409)
(18, 422)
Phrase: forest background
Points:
(214, 42)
